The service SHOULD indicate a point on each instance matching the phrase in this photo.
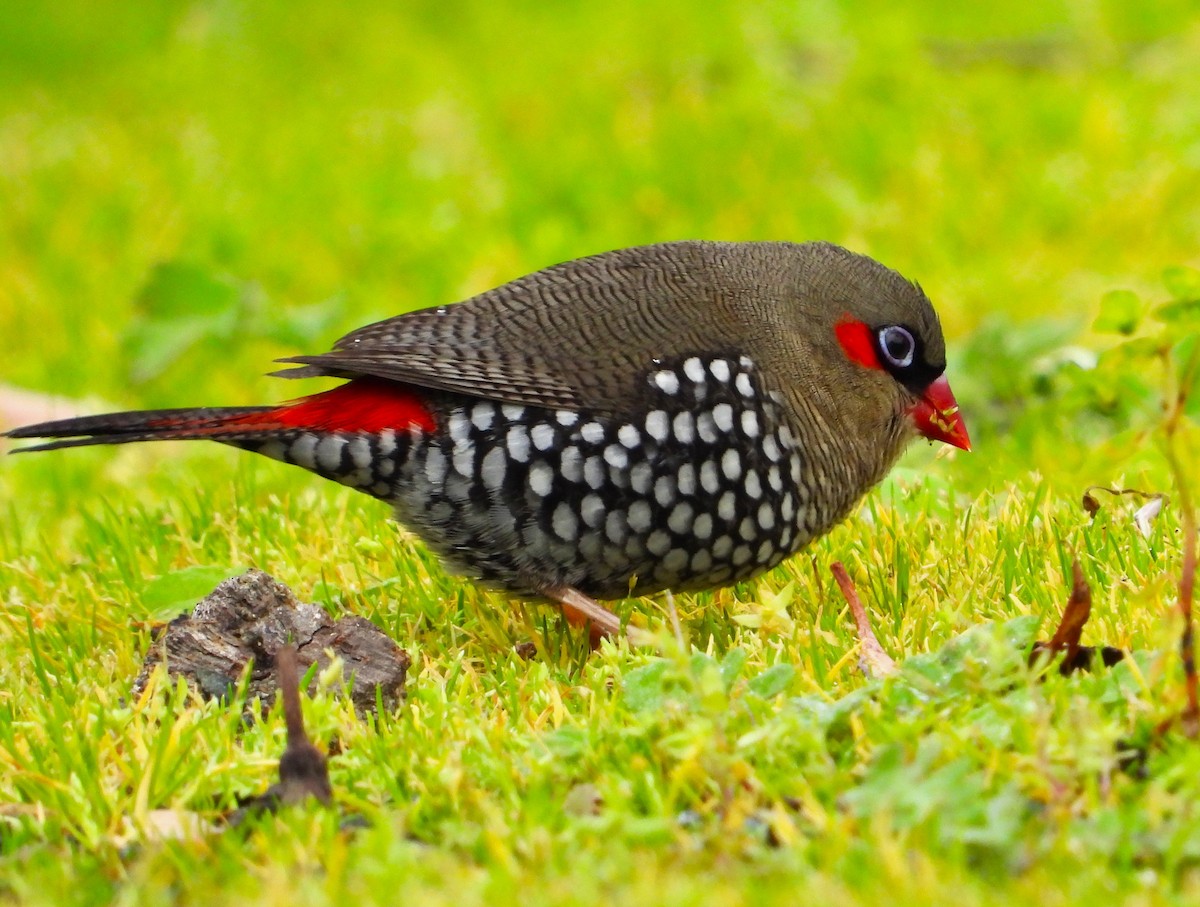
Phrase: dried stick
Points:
(875, 661)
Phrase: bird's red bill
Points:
(936, 416)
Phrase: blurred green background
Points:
(310, 166)
(189, 190)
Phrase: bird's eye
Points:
(897, 346)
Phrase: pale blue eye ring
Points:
(897, 346)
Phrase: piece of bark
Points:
(248, 619)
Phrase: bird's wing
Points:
(579, 335)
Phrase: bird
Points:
(678, 416)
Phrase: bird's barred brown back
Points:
(581, 334)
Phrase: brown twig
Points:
(1187, 581)
(1190, 719)
(302, 769)
(875, 661)
(1092, 506)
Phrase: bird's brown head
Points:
(879, 351)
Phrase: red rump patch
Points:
(366, 405)
(855, 338)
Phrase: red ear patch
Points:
(855, 338)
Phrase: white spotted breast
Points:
(678, 498)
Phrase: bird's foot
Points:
(581, 610)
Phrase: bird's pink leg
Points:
(580, 610)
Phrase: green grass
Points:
(309, 167)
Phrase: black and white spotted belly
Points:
(700, 491)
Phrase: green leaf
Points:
(1182, 314)
(168, 596)
(731, 666)
(566, 742)
(1135, 354)
(153, 346)
(644, 686)
(327, 594)
(773, 681)
(701, 662)
(708, 686)
(1183, 356)
(1182, 282)
(1019, 632)
(181, 306)
(1120, 313)
(302, 326)
(180, 289)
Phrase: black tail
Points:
(244, 423)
